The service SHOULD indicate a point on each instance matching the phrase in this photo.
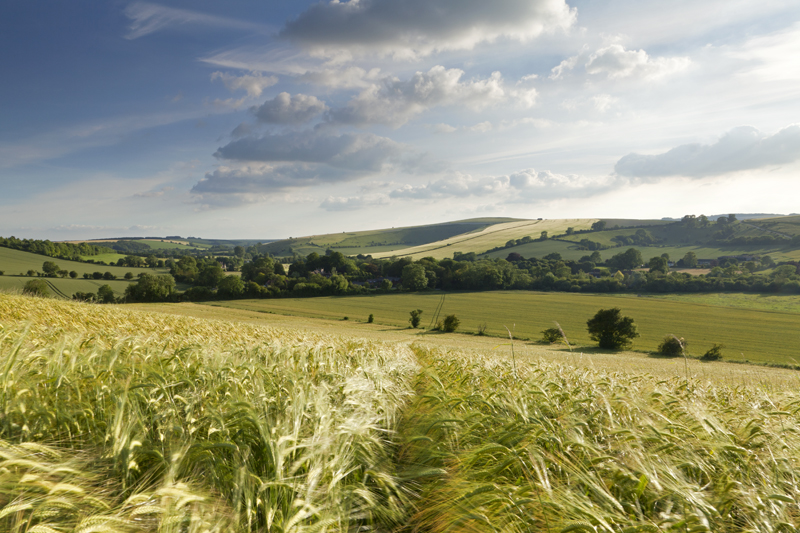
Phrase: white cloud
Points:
(147, 18)
(394, 102)
(288, 109)
(419, 27)
(444, 128)
(254, 83)
(524, 185)
(615, 62)
(742, 148)
(337, 203)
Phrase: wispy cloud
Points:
(148, 18)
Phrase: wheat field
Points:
(124, 420)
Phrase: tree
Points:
(128, 275)
(544, 236)
(600, 225)
(690, 260)
(238, 251)
(627, 260)
(610, 329)
(73, 274)
(105, 294)
(414, 277)
(230, 287)
(150, 288)
(659, 264)
(50, 269)
(415, 318)
(36, 287)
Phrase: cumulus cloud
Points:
(742, 148)
(253, 83)
(394, 102)
(525, 185)
(419, 27)
(288, 109)
(615, 62)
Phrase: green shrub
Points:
(450, 324)
(672, 346)
(482, 329)
(371, 318)
(713, 354)
(551, 335)
(36, 287)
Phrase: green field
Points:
(675, 251)
(378, 241)
(491, 237)
(172, 245)
(15, 262)
(748, 334)
(64, 287)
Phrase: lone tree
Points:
(610, 329)
(415, 318)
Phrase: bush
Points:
(415, 318)
(105, 294)
(672, 346)
(73, 274)
(714, 354)
(2, 272)
(551, 335)
(371, 318)
(36, 287)
(32, 273)
(128, 275)
(610, 329)
(482, 329)
(450, 324)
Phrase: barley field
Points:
(129, 420)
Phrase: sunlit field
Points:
(125, 420)
(748, 334)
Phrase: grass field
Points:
(382, 240)
(571, 251)
(14, 262)
(491, 237)
(172, 245)
(748, 334)
(65, 287)
(130, 421)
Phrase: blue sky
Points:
(274, 119)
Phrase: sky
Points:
(279, 118)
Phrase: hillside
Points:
(15, 264)
(374, 242)
(676, 239)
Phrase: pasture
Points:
(749, 334)
(491, 237)
(15, 262)
(64, 287)
(371, 242)
(173, 423)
